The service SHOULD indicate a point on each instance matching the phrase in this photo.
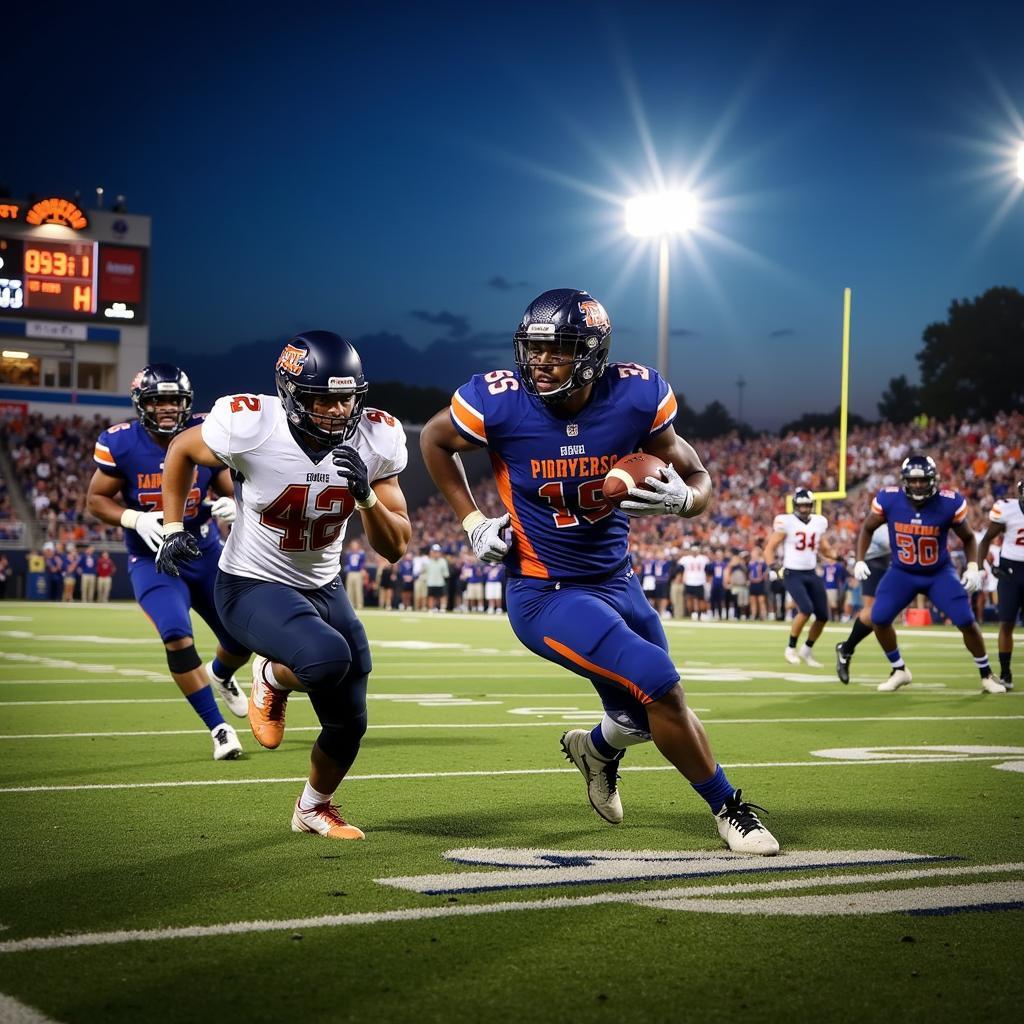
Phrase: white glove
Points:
(861, 571)
(485, 536)
(972, 578)
(148, 525)
(223, 509)
(669, 497)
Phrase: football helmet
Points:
(321, 364)
(563, 326)
(156, 381)
(803, 503)
(1020, 494)
(920, 477)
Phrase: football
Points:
(629, 472)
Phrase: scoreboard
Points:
(78, 280)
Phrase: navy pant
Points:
(808, 592)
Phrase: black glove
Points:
(177, 548)
(351, 466)
(999, 571)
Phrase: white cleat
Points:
(226, 746)
(897, 677)
(806, 655)
(601, 776)
(742, 830)
(229, 692)
(992, 685)
(791, 656)
(324, 820)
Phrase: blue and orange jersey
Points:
(127, 451)
(834, 575)
(758, 571)
(550, 468)
(917, 533)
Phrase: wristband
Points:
(474, 519)
(170, 528)
(369, 503)
(129, 517)
(972, 566)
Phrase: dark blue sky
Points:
(423, 170)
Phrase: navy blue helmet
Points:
(803, 503)
(321, 364)
(563, 326)
(1020, 494)
(920, 478)
(156, 383)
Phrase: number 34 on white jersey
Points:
(292, 511)
(802, 539)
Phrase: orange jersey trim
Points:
(578, 659)
(529, 563)
(468, 418)
(961, 513)
(102, 455)
(666, 412)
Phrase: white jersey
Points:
(879, 546)
(1008, 513)
(292, 511)
(694, 570)
(800, 549)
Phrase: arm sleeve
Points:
(878, 504)
(467, 412)
(108, 448)
(961, 510)
(996, 515)
(779, 526)
(235, 425)
(667, 407)
(399, 458)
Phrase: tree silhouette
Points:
(900, 402)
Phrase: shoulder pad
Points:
(239, 423)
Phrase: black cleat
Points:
(842, 664)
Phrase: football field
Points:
(142, 880)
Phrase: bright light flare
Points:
(1020, 161)
(666, 213)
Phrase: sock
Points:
(602, 746)
(984, 669)
(894, 658)
(792, 642)
(1004, 664)
(269, 678)
(311, 798)
(857, 633)
(204, 704)
(716, 790)
(808, 644)
(220, 670)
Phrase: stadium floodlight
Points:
(1020, 161)
(10, 353)
(661, 215)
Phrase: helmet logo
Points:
(541, 329)
(595, 314)
(341, 384)
(291, 360)
(137, 380)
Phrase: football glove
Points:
(972, 578)
(223, 509)
(861, 570)
(485, 536)
(349, 463)
(999, 571)
(669, 497)
(177, 548)
(148, 525)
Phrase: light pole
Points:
(662, 215)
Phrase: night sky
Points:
(417, 172)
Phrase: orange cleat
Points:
(266, 707)
(324, 820)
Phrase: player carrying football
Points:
(129, 459)
(920, 517)
(302, 461)
(553, 427)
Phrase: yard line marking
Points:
(649, 897)
(515, 725)
(402, 776)
(13, 1012)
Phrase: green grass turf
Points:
(150, 857)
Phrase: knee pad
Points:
(340, 742)
(622, 731)
(183, 661)
(325, 666)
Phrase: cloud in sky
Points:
(782, 332)
(503, 284)
(457, 325)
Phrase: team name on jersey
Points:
(318, 478)
(554, 469)
(154, 481)
(917, 529)
(573, 449)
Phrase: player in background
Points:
(717, 600)
(694, 576)
(130, 462)
(919, 517)
(303, 460)
(834, 578)
(494, 580)
(554, 426)
(758, 570)
(1007, 518)
(801, 532)
(876, 559)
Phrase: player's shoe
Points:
(1007, 682)
(842, 664)
(992, 685)
(226, 746)
(266, 707)
(806, 655)
(897, 677)
(740, 827)
(601, 776)
(229, 691)
(324, 820)
(791, 656)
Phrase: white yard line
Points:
(653, 897)
(13, 1012)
